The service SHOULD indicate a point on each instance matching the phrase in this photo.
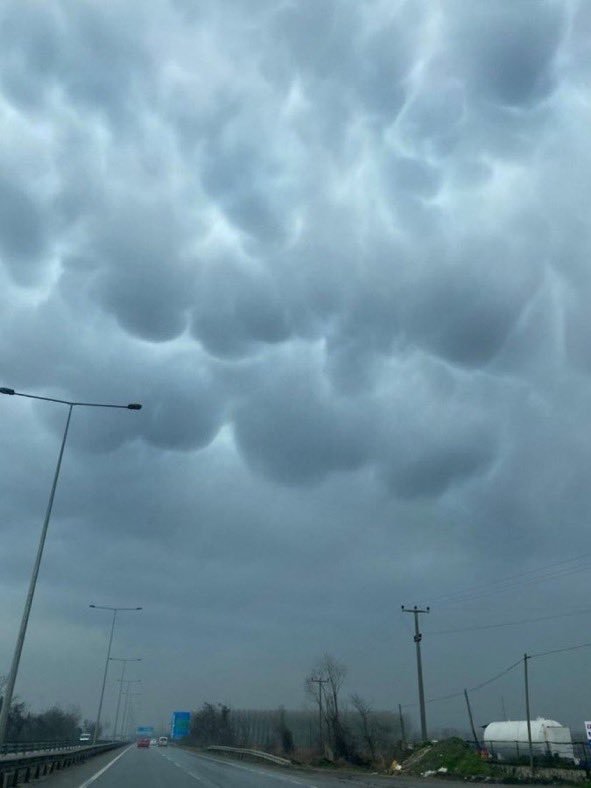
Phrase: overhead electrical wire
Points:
(499, 625)
(518, 576)
(557, 569)
(500, 675)
(505, 586)
(558, 650)
(496, 677)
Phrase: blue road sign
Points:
(180, 724)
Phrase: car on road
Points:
(143, 742)
(153, 742)
(163, 741)
(85, 737)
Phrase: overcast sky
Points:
(339, 249)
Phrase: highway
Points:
(173, 767)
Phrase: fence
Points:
(566, 755)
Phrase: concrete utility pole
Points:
(320, 682)
(527, 711)
(402, 731)
(416, 611)
(476, 741)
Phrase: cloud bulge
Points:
(337, 250)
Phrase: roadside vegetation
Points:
(335, 729)
(53, 724)
(338, 729)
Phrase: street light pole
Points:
(11, 679)
(127, 693)
(121, 680)
(115, 610)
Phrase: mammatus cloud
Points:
(355, 200)
(339, 251)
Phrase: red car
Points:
(143, 742)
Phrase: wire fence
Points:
(558, 754)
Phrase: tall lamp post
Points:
(121, 680)
(11, 680)
(114, 610)
(126, 706)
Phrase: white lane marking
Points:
(197, 777)
(104, 769)
(251, 770)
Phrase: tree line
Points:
(335, 726)
(53, 724)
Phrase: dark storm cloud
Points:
(82, 50)
(22, 231)
(236, 307)
(339, 252)
(290, 258)
(473, 296)
(505, 50)
(294, 431)
(140, 277)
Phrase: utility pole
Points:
(531, 749)
(416, 611)
(402, 732)
(476, 741)
(320, 682)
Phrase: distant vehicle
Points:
(85, 737)
(153, 742)
(143, 741)
(163, 741)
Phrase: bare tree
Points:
(334, 673)
(283, 731)
(367, 724)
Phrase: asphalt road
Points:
(173, 767)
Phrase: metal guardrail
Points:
(36, 746)
(264, 756)
(17, 768)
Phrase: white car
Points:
(153, 742)
(163, 741)
(85, 737)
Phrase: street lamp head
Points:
(131, 406)
(4, 390)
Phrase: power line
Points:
(515, 584)
(510, 623)
(543, 568)
(497, 676)
(469, 689)
(506, 583)
(559, 650)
